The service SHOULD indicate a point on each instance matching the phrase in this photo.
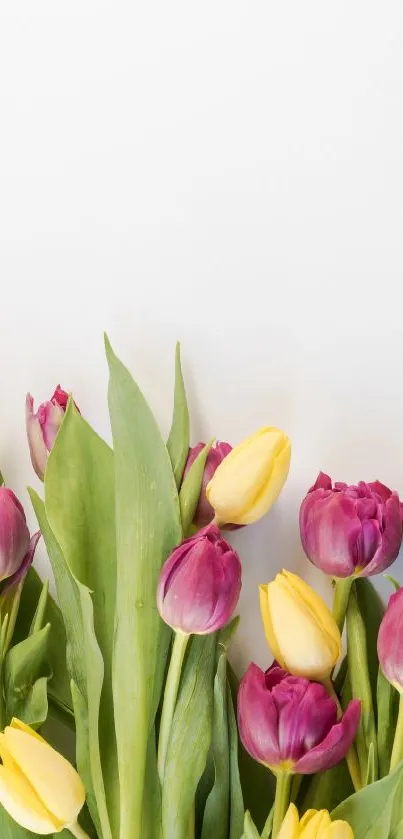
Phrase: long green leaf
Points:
(237, 810)
(387, 706)
(147, 529)
(190, 489)
(249, 831)
(372, 610)
(361, 685)
(371, 812)
(216, 814)
(178, 440)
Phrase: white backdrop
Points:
(229, 173)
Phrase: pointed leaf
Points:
(387, 705)
(178, 440)
(216, 814)
(191, 487)
(237, 810)
(370, 811)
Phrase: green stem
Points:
(397, 750)
(170, 694)
(77, 831)
(351, 757)
(341, 595)
(192, 823)
(281, 801)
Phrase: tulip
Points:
(200, 583)
(38, 787)
(43, 426)
(204, 512)
(315, 824)
(291, 724)
(350, 531)
(300, 630)
(250, 478)
(14, 534)
(390, 641)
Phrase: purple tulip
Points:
(351, 530)
(287, 722)
(390, 641)
(199, 584)
(204, 512)
(43, 426)
(14, 535)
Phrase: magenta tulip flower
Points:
(390, 641)
(15, 548)
(289, 723)
(351, 530)
(204, 512)
(199, 584)
(43, 426)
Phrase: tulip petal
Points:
(390, 641)
(391, 538)
(51, 776)
(21, 802)
(266, 498)
(290, 825)
(268, 626)
(313, 824)
(257, 717)
(37, 448)
(335, 745)
(338, 830)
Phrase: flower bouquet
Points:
(130, 661)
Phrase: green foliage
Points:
(178, 440)
(376, 811)
(190, 490)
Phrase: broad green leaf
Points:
(79, 500)
(190, 739)
(38, 620)
(216, 814)
(249, 829)
(370, 812)
(26, 670)
(84, 658)
(178, 440)
(148, 527)
(190, 489)
(387, 705)
(236, 811)
(357, 654)
(372, 611)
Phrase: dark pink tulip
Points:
(204, 512)
(14, 534)
(287, 722)
(199, 584)
(390, 641)
(43, 426)
(350, 530)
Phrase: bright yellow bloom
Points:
(300, 630)
(38, 787)
(250, 478)
(315, 824)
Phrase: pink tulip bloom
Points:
(15, 545)
(43, 426)
(200, 583)
(390, 641)
(204, 512)
(351, 530)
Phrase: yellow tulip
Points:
(249, 479)
(300, 630)
(315, 824)
(38, 787)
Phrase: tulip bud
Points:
(14, 534)
(390, 641)
(199, 584)
(290, 724)
(350, 530)
(204, 512)
(314, 824)
(39, 788)
(43, 426)
(300, 630)
(250, 478)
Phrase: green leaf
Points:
(26, 670)
(148, 528)
(79, 500)
(372, 611)
(191, 736)
(236, 810)
(83, 752)
(387, 705)
(371, 812)
(191, 487)
(178, 440)
(38, 620)
(266, 832)
(9, 829)
(249, 829)
(326, 789)
(84, 657)
(394, 583)
(216, 814)
(370, 776)
(360, 684)
(151, 827)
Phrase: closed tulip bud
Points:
(250, 478)
(199, 584)
(14, 534)
(38, 787)
(204, 512)
(390, 641)
(290, 724)
(314, 824)
(43, 426)
(300, 630)
(350, 530)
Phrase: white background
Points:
(226, 173)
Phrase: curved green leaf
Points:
(178, 440)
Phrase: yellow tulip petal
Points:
(23, 805)
(317, 606)
(52, 777)
(305, 649)
(337, 830)
(271, 489)
(314, 825)
(22, 726)
(290, 825)
(268, 626)
(306, 817)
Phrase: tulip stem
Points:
(281, 801)
(351, 756)
(170, 694)
(397, 750)
(78, 832)
(342, 588)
